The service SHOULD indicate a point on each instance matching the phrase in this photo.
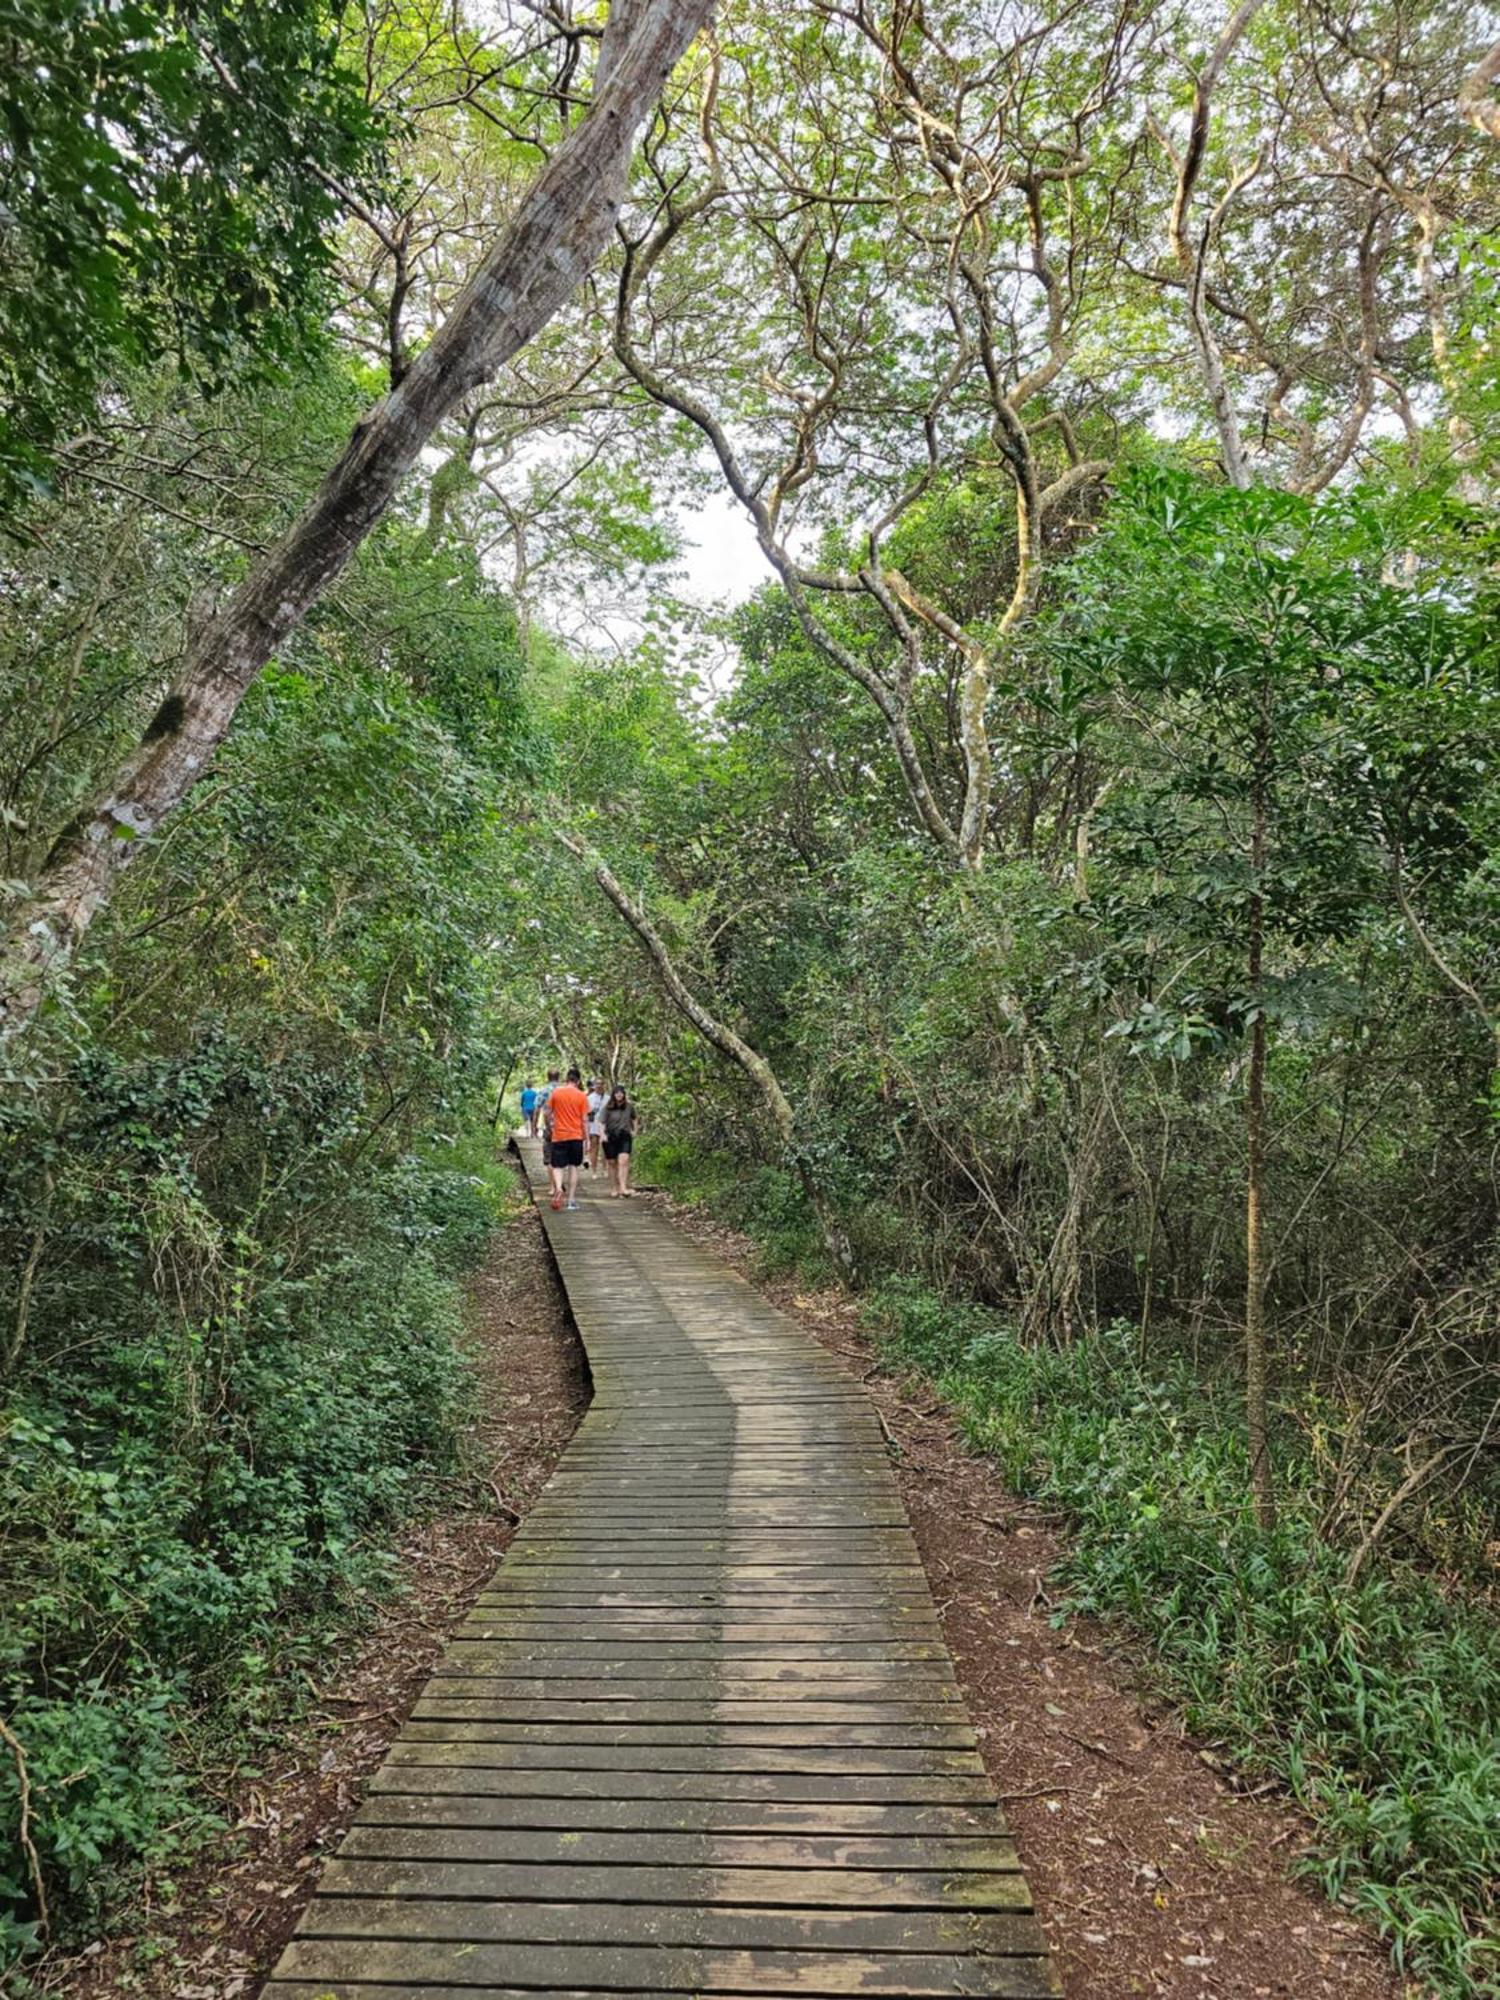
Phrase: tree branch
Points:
(718, 1034)
(561, 226)
(1193, 257)
(1478, 104)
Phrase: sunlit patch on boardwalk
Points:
(701, 1733)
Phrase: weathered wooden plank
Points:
(741, 1600)
(655, 1735)
(692, 1649)
(630, 1687)
(646, 1495)
(704, 1926)
(716, 1546)
(477, 1658)
(689, 1566)
(474, 1750)
(360, 1988)
(642, 1969)
(630, 1516)
(588, 1812)
(735, 1787)
(688, 1623)
(603, 1445)
(791, 1521)
(705, 1691)
(785, 1855)
(420, 1878)
(462, 1700)
(669, 1610)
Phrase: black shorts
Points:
(621, 1143)
(567, 1152)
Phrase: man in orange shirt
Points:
(569, 1110)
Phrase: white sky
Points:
(721, 559)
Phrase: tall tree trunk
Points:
(719, 1035)
(558, 234)
(1256, 1366)
(1192, 253)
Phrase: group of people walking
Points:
(575, 1126)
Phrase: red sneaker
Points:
(557, 1201)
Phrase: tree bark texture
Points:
(562, 227)
(1193, 256)
(1477, 100)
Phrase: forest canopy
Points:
(1056, 893)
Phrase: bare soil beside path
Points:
(1152, 1874)
(233, 1911)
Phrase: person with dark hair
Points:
(596, 1121)
(621, 1123)
(568, 1111)
(529, 1098)
(544, 1114)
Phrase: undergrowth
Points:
(194, 1505)
(1375, 1702)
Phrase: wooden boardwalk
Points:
(701, 1734)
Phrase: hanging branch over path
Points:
(714, 1031)
(719, 1035)
(563, 225)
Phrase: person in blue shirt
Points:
(530, 1097)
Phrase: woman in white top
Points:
(598, 1098)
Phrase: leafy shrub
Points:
(107, 1787)
(199, 1463)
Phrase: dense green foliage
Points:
(164, 189)
(232, 1329)
(1022, 1092)
(1375, 1701)
(1086, 816)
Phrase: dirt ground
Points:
(234, 1909)
(1152, 1873)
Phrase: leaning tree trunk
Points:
(562, 227)
(719, 1035)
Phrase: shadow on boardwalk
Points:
(701, 1734)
